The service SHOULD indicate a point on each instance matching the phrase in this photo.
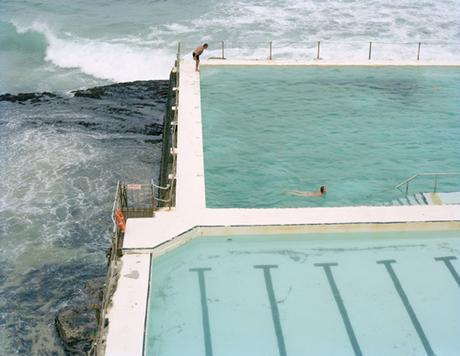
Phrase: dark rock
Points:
(138, 90)
(94, 288)
(22, 97)
(153, 142)
(86, 124)
(77, 328)
(154, 129)
(77, 324)
(94, 93)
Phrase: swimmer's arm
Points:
(300, 193)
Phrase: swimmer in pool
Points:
(320, 193)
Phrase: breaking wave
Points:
(111, 60)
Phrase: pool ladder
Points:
(407, 181)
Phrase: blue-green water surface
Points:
(226, 294)
(357, 130)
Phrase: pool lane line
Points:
(413, 317)
(340, 305)
(204, 309)
(274, 307)
(450, 267)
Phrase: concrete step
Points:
(427, 199)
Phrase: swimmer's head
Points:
(323, 189)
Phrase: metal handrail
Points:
(159, 187)
(310, 45)
(165, 190)
(167, 187)
(435, 175)
(98, 345)
(117, 235)
(170, 185)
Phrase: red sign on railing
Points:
(134, 186)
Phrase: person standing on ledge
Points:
(197, 53)
(322, 191)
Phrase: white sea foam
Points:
(178, 28)
(58, 176)
(344, 29)
(119, 62)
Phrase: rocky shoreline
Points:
(50, 299)
(76, 324)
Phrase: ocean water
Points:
(61, 156)
(57, 45)
(357, 130)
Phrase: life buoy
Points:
(120, 220)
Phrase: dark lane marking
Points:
(450, 267)
(407, 305)
(341, 306)
(204, 309)
(274, 307)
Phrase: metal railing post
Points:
(418, 50)
(270, 53)
(317, 50)
(223, 50)
(178, 51)
(370, 50)
(170, 195)
(152, 197)
(435, 183)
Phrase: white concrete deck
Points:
(128, 312)
(148, 233)
(190, 190)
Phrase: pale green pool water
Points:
(358, 130)
(273, 295)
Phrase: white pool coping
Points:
(128, 309)
(145, 235)
(148, 233)
(324, 62)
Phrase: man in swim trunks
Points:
(197, 53)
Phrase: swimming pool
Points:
(350, 293)
(358, 130)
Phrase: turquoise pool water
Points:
(358, 130)
(381, 293)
